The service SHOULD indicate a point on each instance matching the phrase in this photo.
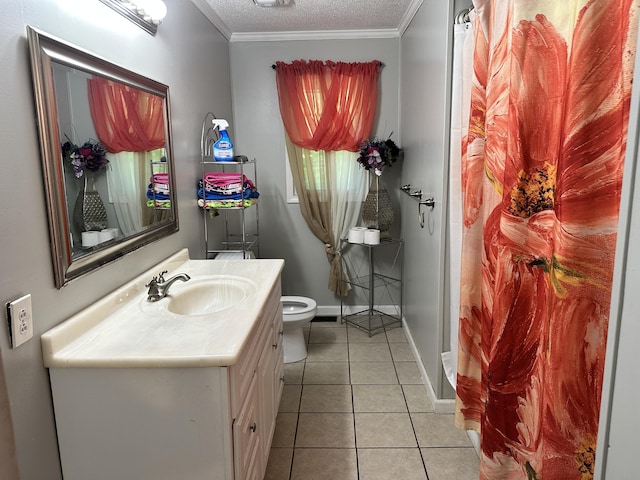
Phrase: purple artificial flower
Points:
(378, 154)
(90, 156)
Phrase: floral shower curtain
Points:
(541, 174)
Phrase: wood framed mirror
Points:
(107, 158)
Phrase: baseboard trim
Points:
(329, 311)
(440, 405)
(334, 310)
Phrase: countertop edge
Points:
(150, 362)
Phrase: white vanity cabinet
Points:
(190, 416)
(256, 386)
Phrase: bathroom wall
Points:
(258, 132)
(190, 56)
(8, 460)
(424, 119)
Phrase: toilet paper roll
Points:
(106, 235)
(372, 237)
(356, 234)
(90, 239)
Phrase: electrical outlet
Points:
(20, 318)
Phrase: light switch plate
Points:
(20, 317)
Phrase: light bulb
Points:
(157, 11)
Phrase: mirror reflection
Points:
(106, 148)
(114, 157)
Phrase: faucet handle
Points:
(153, 295)
(161, 276)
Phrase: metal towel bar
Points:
(417, 195)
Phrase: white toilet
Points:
(296, 313)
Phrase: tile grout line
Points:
(353, 412)
(349, 380)
(295, 436)
(352, 394)
(413, 428)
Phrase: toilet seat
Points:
(298, 308)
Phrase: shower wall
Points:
(424, 116)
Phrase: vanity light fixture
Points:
(271, 3)
(147, 14)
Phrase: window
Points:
(318, 159)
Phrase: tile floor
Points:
(356, 409)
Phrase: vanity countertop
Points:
(123, 331)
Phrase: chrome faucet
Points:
(159, 287)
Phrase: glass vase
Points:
(377, 209)
(89, 212)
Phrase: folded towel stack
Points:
(159, 204)
(158, 188)
(226, 186)
(225, 179)
(208, 204)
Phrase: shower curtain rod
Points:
(462, 16)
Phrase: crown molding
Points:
(408, 15)
(314, 35)
(219, 24)
(215, 20)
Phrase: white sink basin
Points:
(203, 295)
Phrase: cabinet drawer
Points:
(278, 373)
(241, 372)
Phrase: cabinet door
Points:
(278, 374)
(256, 467)
(266, 389)
(246, 435)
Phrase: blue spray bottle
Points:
(223, 148)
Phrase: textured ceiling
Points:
(242, 19)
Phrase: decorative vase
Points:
(89, 212)
(377, 210)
